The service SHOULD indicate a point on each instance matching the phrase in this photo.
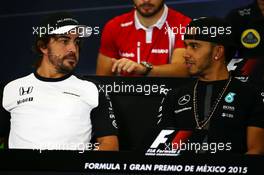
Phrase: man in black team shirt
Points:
(229, 110)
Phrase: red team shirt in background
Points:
(125, 37)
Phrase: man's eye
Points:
(65, 41)
(194, 46)
(77, 42)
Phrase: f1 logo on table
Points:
(167, 143)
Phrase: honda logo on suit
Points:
(25, 90)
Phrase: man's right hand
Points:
(107, 66)
(128, 66)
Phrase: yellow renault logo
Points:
(250, 38)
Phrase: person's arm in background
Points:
(107, 51)
(110, 66)
(104, 65)
(176, 68)
(255, 140)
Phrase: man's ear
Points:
(42, 47)
(219, 52)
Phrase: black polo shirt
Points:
(241, 106)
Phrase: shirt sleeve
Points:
(4, 118)
(103, 118)
(256, 117)
(108, 45)
(165, 112)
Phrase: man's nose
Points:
(72, 47)
(186, 54)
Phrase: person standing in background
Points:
(144, 42)
(247, 23)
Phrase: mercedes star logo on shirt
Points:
(184, 99)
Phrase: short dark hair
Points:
(55, 22)
(40, 43)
